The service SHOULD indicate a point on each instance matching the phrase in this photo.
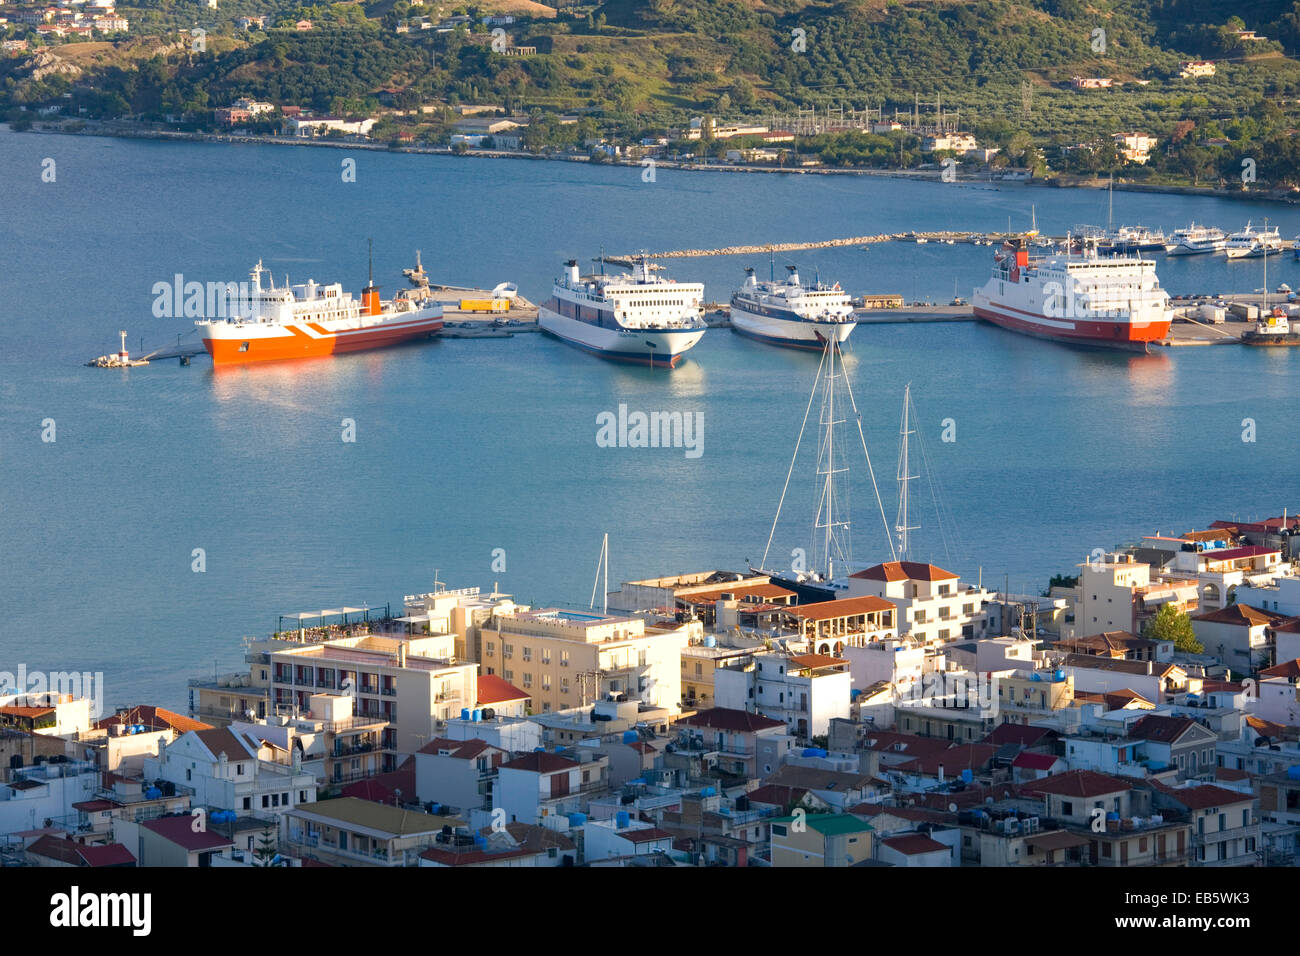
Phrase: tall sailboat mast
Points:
(905, 476)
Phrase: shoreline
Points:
(1290, 199)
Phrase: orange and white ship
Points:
(300, 321)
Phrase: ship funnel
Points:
(370, 304)
(571, 269)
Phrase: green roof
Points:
(830, 824)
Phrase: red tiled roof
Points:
(913, 844)
(1241, 614)
(1288, 669)
(816, 661)
(94, 806)
(776, 795)
(496, 690)
(1232, 554)
(1078, 783)
(911, 745)
(14, 710)
(904, 571)
(180, 830)
(540, 762)
(383, 787)
(470, 857)
(1026, 735)
(723, 718)
(1161, 729)
(758, 589)
(152, 716)
(647, 835)
(953, 760)
(110, 854)
(1204, 797)
(918, 814)
(1033, 761)
(223, 740)
(460, 749)
(1230, 774)
(842, 607)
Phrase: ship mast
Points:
(828, 526)
(904, 477)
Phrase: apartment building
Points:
(415, 684)
(567, 659)
(803, 691)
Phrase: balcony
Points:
(347, 750)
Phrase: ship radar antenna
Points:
(370, 246)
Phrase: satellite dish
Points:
(952, 808)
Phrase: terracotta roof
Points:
(973, 757)
(723, 718)
(223, 740)
(1033, 761)
(917, 814)
(647, 835)
(1230, 774)
(843, 607)
(476, 856)
(1057, 840)
(1242, 614)
(1077, 783)
(1289, 669)
(913, 844)
(534, 837)
(1232, 554)
(540, 761)
(814, 778)
(496, 690)
(1026, 735)
(14, 710)
(758, 589)
(816, 661)
(180, 830)
(1099, 663)
(911, 745)
(94, 806)
(1106, 640)
(460, 749)
(1161, 729)
(1267, 728)
(1204, 797)
(152, 716)
(904, 571)
(109, 854)
(776, 795)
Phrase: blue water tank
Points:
(622, 819)
(477, 715)
(710, 641)
(967, 776)
(1112, 816)
(1060, 674)
(707, 792)
(577, 819)
(1035, 676)
(814, 752)
(464, 713)
(1293, 773)
(630, 736)
(153, 793)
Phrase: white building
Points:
(309, 126)
(230, 771)
(802, 691)
(933, 606)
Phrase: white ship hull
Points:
(654, 347)
(794, 333)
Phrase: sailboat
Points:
(819, 573)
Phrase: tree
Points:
(1061, 581)
(265, 853)
(1170, 624)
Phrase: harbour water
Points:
(465, 447)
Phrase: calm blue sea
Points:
(463, 447)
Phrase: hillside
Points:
(997, 67)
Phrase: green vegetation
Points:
(1173, 625)
(638, 68)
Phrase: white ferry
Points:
(642, 318)
(1197, 240)
(1253, 243)
(1113, 302)
(791, 314)
(309, 319)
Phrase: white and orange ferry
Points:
(309, 319)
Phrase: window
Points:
(546, 682)
(546, 655)
(528, 653)
(266, 801)
(564, 658)
(699, 669)
(508, 675)
(491, 648)
(243, 346)
(778, 829)
(302, 796)
(508, 650)
(528, 678)
(248, 803)
(239, 770)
